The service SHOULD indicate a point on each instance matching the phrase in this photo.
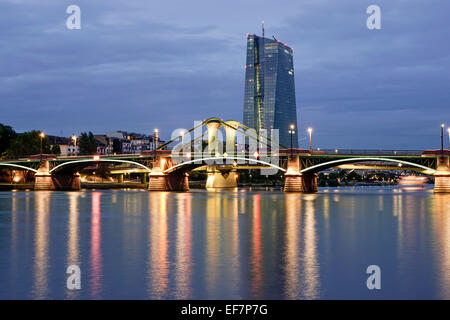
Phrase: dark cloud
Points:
(137, 65)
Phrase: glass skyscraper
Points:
(269, 101)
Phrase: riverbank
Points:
(16, 186)
(107, 185)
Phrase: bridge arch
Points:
(92, 161)
(179, 165)
(334, 163)
(18, 166)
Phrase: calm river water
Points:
(132, 244)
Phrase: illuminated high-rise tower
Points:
(269, 100)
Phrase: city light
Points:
(310, 139)
(291, 133)
(74, 138)
(96, 157)
(448, 130)
(42, 135)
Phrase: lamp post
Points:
(292, 132)
(155, 139)
(74, 138)
(310, 136)
(442, 140)
(41, 135)
(448, 130)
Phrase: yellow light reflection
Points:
(183, 270)
(256, 253)
(41, 244)
(212, 231)
(310, 258)
(442, 234)
(96, 255)
(158, 266)
(292, 267)
(73, 255)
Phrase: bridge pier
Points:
(160, 181)
(157, 182)
(442, 176)
(44, 180)
(168, 182)
(296, 181)
(221, 179)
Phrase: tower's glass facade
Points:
(269, 101)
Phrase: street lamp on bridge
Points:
(310, 136)
(74, 138)
(155, 139)
(292, 132)
(42, 136)
(448, 130)
(442, 140)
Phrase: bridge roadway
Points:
(299, 166)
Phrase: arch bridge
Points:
(242, 148)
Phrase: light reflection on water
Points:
(225, 245)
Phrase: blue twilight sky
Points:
(136, 65)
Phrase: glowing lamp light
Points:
(225, 154)
(156, 130)
(256, 154)
(42, 135)
(96, 158)
(188, 155)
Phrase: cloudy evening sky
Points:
(136, 65)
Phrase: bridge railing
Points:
(370, 152)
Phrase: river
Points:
(239, 244)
